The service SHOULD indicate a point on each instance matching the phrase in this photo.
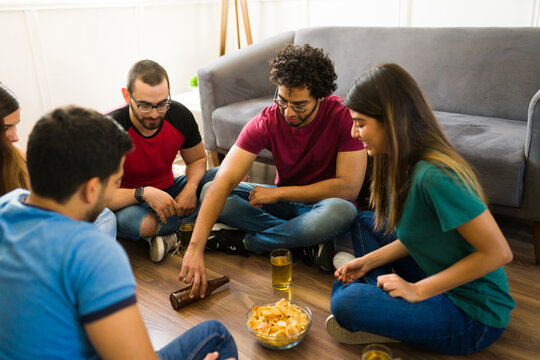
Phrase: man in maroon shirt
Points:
(151, 203)
(320, 169)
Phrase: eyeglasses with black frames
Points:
(146, 108)
(300, 109)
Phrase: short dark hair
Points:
(148, 71)
(71, 145)
(297, 66)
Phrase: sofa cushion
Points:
(229, 120)
(495, 147)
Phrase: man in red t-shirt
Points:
(320, 170)
(151, 203)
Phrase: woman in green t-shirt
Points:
(448, 291)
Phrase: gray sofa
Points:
(483, 84)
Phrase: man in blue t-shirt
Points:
(67, 290)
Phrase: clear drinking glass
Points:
(281, 260)
(376, 352)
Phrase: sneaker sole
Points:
(358, 337)
(157, 250)
(222, 226)
(341, 258)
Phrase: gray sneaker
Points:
(161, 245)
(358, 337)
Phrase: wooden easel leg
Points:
(247, 25)
(224, 18)
(536, 240)
(237, 22)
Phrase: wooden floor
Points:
(251, 283)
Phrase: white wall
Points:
(78, 52)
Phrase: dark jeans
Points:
(435, 324)
(286, 224)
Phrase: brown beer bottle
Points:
(180, 298)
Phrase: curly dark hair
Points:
(303, 65)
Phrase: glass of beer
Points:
(376, 352)
(281, 260)
(185, 236)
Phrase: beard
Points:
(92, 214)
(148, 122)
(300, 120)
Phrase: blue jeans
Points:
(200, 340)
(106, 222)
(435, 324)
(286, 224)
(130, 218)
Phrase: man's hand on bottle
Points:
(162, 203)
(193, 271)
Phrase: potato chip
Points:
(280, 319)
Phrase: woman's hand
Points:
(352, 270)
(395, 286)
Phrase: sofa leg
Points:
(216, 158)
(536, 240)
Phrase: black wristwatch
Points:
(139, 193)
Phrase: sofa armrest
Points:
(235, 77)
(531, 193)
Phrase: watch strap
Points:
(139, 194)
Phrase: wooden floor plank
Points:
(251, 283)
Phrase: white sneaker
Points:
(341, 258)
(161, 245)
(222, 226)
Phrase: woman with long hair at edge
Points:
(13, 158)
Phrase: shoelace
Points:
(178, 249)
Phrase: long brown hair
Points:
(390, 95)
(12, 165)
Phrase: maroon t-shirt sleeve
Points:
(252, 136)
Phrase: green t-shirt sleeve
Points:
(453, 202)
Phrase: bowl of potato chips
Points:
(279, 325)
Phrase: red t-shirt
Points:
(150, 162)
(302, 156)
